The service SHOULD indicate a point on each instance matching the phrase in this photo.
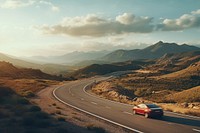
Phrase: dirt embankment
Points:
(114, 92)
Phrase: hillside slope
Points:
(193, 71)
(190, 95)
(175, 62)
(152, 52)
(97, 69)
(69, 58)
(7, 70)
(47, 68)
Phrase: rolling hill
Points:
(190, 95)
(101, 69)
(175, 62)
(193, 72)
(152, 52)
(47, 68)
(7, 70)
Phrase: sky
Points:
(57, 27)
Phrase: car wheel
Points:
(146, 115)
(134, 112)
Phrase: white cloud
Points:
(186, 21)
(55, 8)
(95, 26)
(52, 6)
(125, 18)
(196, 12)
(12, 4)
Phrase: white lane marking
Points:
(84, 90)
(70, 92)
(127, 113)
(121, 125)
(94, 103)
(196, 130)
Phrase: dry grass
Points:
(178, 109)
(18, 114)
(109, 91)
(191, 70)
(190, 95)
(26, 87)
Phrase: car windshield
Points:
(152, 106)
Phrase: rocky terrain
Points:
(178, 86)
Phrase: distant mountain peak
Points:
(160, 42)
(154, 51)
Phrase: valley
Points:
(169, 79)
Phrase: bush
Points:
(5, 92)
(61, 130)
(29, 94)
(143, 92)
(41, 115)
(36, 122)
(58, 112)
(61, 119)
(96, 129)
(42, 123)
(28, 120)
(22, 101)
(34, 109)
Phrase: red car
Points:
(148, 110)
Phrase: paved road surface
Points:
(73, 94)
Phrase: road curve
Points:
(73, 94)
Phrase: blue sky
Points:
(56, 27)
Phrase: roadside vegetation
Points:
(178, 91)
(18, 114)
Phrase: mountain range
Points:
(152, 52)
(56, 65)
(69, 58)
(168, 63)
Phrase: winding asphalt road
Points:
(73, 94)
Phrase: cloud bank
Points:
(186, 21)
(12, 4)
(95, 26)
